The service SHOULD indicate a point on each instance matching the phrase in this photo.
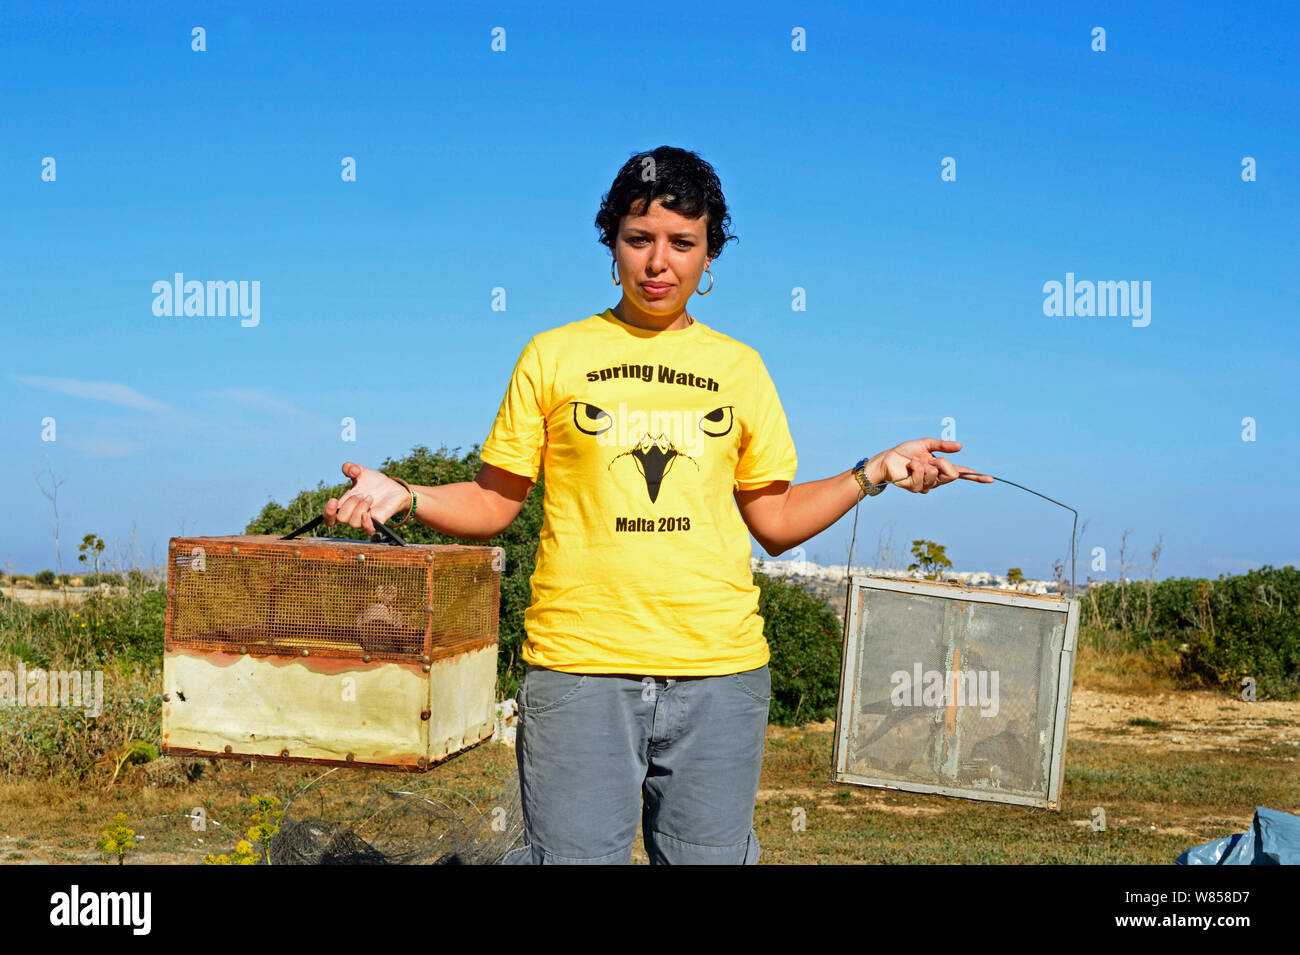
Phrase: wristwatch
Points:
(860, 472)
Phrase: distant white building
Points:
(977, 578)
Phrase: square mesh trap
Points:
(955, 691)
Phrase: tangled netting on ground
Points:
(339, 819)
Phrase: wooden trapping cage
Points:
(329, 650)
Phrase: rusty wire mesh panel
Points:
(339, 820)
(263, 595)
(466, 603)
(955, 691)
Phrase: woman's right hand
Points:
(373, 496)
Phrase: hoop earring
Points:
(612, 274)
(710, 288)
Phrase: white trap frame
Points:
(1002, 664)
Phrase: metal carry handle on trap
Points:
(383, 535)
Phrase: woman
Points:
(665, 446)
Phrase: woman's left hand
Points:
(913, 467)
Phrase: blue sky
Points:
(479, 169)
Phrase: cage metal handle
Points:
(383, 534)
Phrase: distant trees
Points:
(930, 559)
(91, 547)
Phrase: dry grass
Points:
(1126, 671)
(45, 822)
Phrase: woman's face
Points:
(661, 256)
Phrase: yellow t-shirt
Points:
(643, 563)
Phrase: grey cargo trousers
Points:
(598, 752)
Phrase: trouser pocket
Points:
(545, 690)
(757, 683)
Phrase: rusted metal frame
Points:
(419, 764)
(429, 567)
(329, 664)
(169, 618)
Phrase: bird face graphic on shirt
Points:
(656, 440)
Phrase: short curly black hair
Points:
(683, 181)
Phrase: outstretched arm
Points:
(475, 510)
(782, 516)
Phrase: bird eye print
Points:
(717, 422)
(591, 420)
(654, 454)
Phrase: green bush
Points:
(94, 580)
(1222, 630)
(805, 640)
(66, 744)
(118, 634)
(45, 578)
(97, 631)
(65, 578)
